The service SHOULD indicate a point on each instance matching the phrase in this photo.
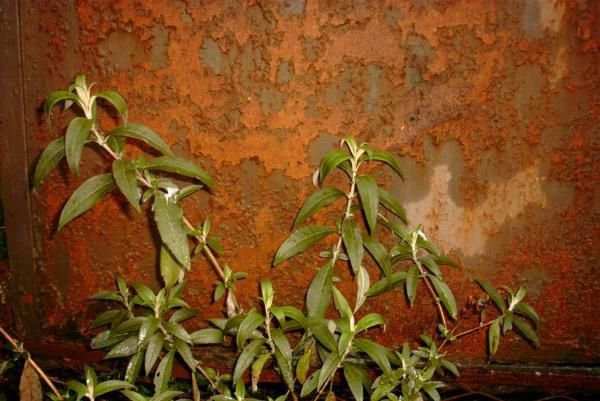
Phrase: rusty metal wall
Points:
(493, 106)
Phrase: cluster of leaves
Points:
(306, 347)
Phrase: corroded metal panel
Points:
(493, 106)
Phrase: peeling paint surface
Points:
(494, 108)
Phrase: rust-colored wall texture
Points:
(493, 106)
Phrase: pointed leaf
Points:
(353, 377)
(85, 197)
(368, 321)
(379, 253)
(153, 351)
(341, 304)
(207, 336)
(303, 366)
(445, 295)
(77, 133)
(321, 332)
(495, 295)
(352, 238)
(166, 396)
(378, 353)
(431, 265)
(526, 330)
(392, 204)
(386, 284)
(125, 348)
(169, 220)
(110, 385)
(494, 336)
(389, 159)
(330, 162)
(170, 269)
(163, 372)
(300, 240)
(247, 356)
(187, 191)
(250, 323)
(56, 97)
(363, 283)
(30, 388)
(179, 166)
(185, 353)
(369, 197)
(142, 133)
(323, 197)
(328, 369)
(318, 295)
(147, 330)
(126, 178)
(412, 282)
(49, 159)
(117, 101)
(528, 311)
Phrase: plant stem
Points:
(33, 364)
(466, 332)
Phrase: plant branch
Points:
(466, 332)
(33, 364)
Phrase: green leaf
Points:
(352, 238)
(341, 304)
(310, 385)
(369, 197)
(125, 348)
(129, 325)
(169, 220)
(126, 178)
(250, 323)
(353, 376)
(207, 336)
(318, 327)
(147, 330)
(186, 353)
(526, 330)
(323, 197)
(528, 311)
(49, 159)
(166, 396)
(377, 352)
(179, 166)
(163, 372)
(495, 295)
(76, 386)
(431, 265)
(91, 379)
(386, 284)
(368, 321)
(142, 133)
(330, 162)
(363, 283)
(56, 97)
(283, 356)
(182, 315)
(389, 159)
(303, 366)
(110, 385)
(152, 352)
(85, 197)
(106, 296)
(247, 356)
(392, 204)
(257, 367)
(318, 295)
(443, 260)
(117, 101)
(412, 282)
(177, 330)
(450, 366)
(507, 322)
(145, 293)
(187, 191)
(379, 253)
(494, 336)
(133, 396)
(300, 240)
(133, 367)
(330, 364)
(445, 295)
(170, 269)
(111, 316)
(77, 132)
(116, 143)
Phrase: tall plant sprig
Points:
(132, 335)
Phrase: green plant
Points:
(306, 347)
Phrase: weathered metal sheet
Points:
(493, 106)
